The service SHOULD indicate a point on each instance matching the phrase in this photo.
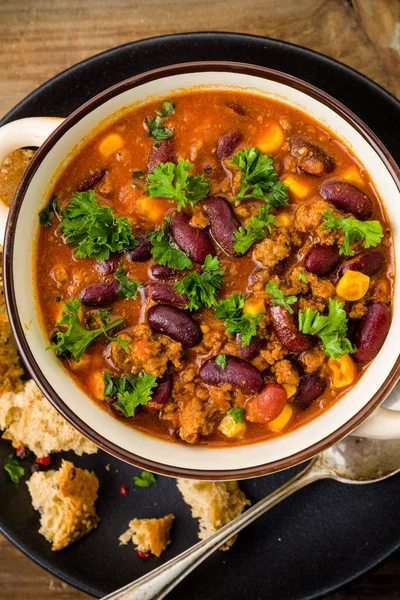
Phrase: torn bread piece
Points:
(65, 500)
(10, 367)
(11, 172)
(149, 535)
(214, 503)
(30, 420)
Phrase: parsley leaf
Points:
(302, 277)
(157, 131)
(129, 391)
(75, 339)
(165, 252)
(237, 414)
(279, 298)
(95, 230)
(256, 229)
(145, 480)
(231, 312)
(369, 231)
(46, 215)
(129, 287)
(332, 328)
(14, 469)
(259, 178)
(169, 180)
(220, 360)
(202, 288)
(167, 109)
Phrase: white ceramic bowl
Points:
(19, 254)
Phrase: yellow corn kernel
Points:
(231, 429)
(271, 139)
(284, 219)
(96, 384)
(110, 144)
(343, 371)
(290, 389)
(353, 285)
(353, 176)
(298, 186)
(205, 328)
(282, 420)
(254, 307)
(152, 209)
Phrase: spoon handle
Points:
(161, 581)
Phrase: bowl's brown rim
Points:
(17, 327)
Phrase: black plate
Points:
(318, 540)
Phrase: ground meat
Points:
(198, 418)
(272, 250)
(285, 373)
(105, 186)
(199, 220)
(358, 310)
(313, 359)
(271, 353)
(381, 291)
(213, 339)
(308, 219)
(289, 164)
(148, 351)
(321, 288)
(312, 304)
(295, 286)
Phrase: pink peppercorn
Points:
(143, 554)
(44, 461)
(123, 490)
(20, 451)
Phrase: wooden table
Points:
(40, 38)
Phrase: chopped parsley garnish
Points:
(165, 252)
(256, 229)
(237, 414)
(145, 480)
(230, 311)
(220, 360)
(278, 297)
(128, 287)
(155, 126)
(169, 180)
(14, 469)
(369, 231)
(95, 229)
(46, 215)
(73, 339)
(302, 277)
(202, 288)
(129, 391)
(259, 178)
(332, 329)
(167, 109)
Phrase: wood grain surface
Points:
(40, 38)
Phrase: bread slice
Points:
(214, 503)
(149, 535)
(65, 500)
(30, 420)
(10, 367)
(11, 172)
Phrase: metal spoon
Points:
(353, 460)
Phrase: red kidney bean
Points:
(238, 372)
(90, 182)
(164, 293)
(287, 331)
(371, 332)
(249, 352)
(239, 110)
(227, 144)
(322, 259)
(368, 263)
(163, 272)
(267, 405)
(142, 252)
(347, 197)
(164, 153)
(311, 158)
(224, 223)
(108, 265)
(310, 388)
(100, 294)
(175, 323)
(161, 394)
(197, 241)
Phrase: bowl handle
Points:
(384, 423)
(32, 131)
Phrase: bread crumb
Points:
(30, 420)
(149, 535)
(11, 172)
(214, 503)
(108, 467)
(65, 500)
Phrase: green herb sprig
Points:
(202, 288)
(14, 469)
(278, 297)
(256, 229)
(130, 391)
(145, 479)
(230, 311)
(170, 180)
(370, 232)
(259, 178)
(165, 252)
